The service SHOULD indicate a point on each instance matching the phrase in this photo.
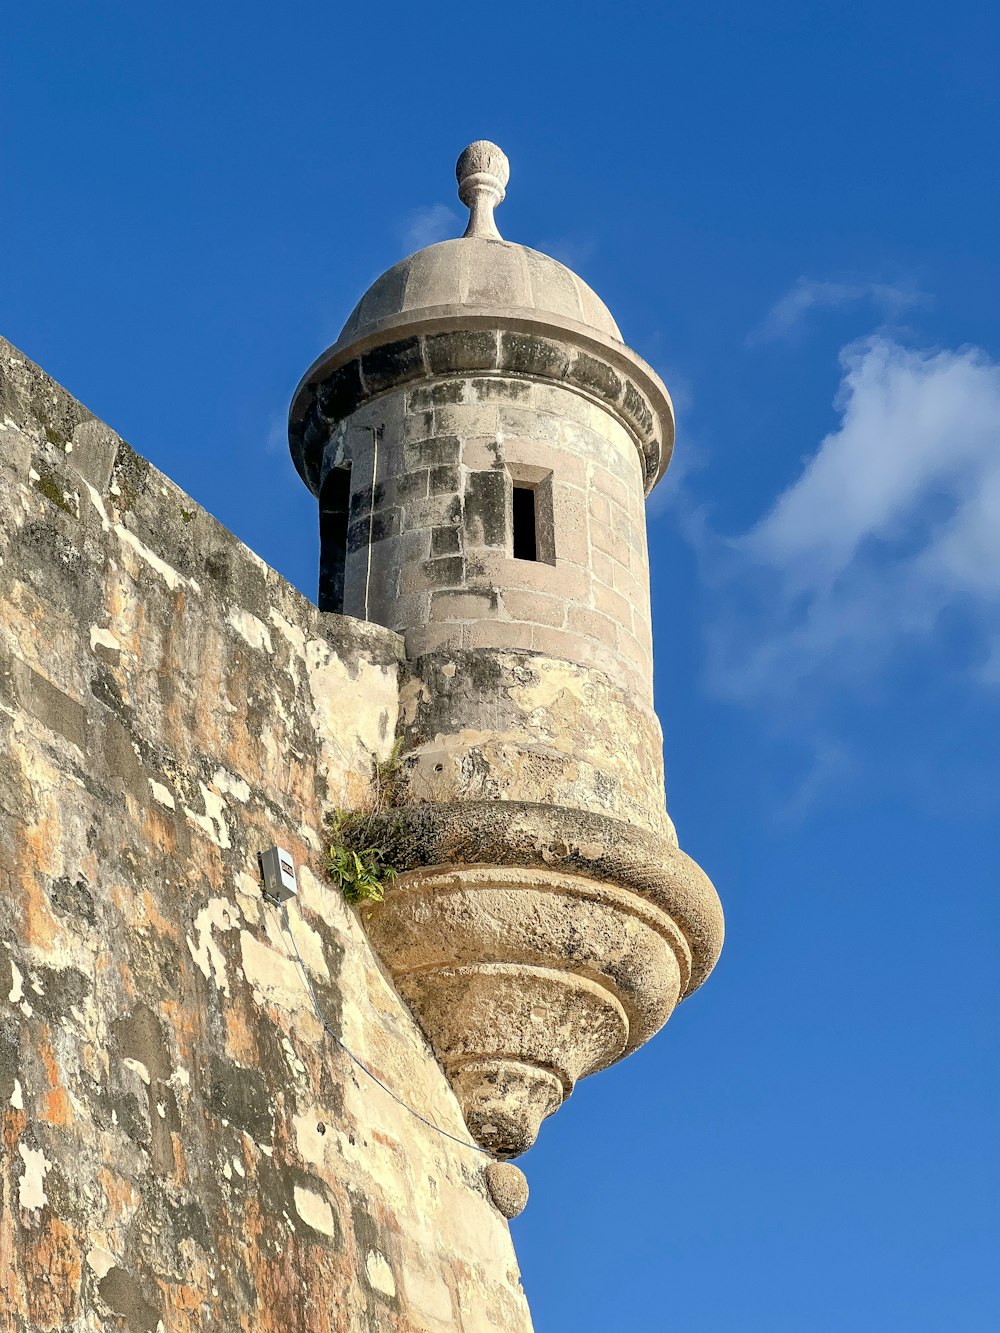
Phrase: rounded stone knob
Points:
(508, 1188)
(483, 172)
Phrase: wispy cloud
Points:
(574, 250)
(788, 315)
(276, 439)
(425, 226)
(689, 456)
(282, 478)
(894, 520)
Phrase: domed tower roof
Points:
(479, 271)
(478, 285)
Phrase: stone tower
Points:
(480, 441)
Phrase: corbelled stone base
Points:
(527, 979)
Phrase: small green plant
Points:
(356, 856)
(362, 875)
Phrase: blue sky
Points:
(792, 211)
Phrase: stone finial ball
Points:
(482, 158)
(508, 1187)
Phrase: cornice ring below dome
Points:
(449, 341)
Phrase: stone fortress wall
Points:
(183, 1146)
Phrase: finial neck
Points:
(480, 195)
(483, 172)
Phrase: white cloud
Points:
(574, 250)
(786, 316)
(425, 226)
(894, 520)
(276, 439)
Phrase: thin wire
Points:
(462, 1143)
(371, 514)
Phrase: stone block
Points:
(602, 566)
(614, 665)
(611, 487)
(527, 424)
(461, 350)
(597, 377)
(366, 499)
(581, 620)
(638, 562)
(434, 512)
(599, 506)
(497, 634)
(561, 402)
(501, 282)
(529, 354)
(534, 606)
(633, 651)
(643, 632)
(465, 419)
(430, 638)
(612, 604)
(446, 571)
(315, 434)
(413, 544)
(571, 582)
(431, 395)
(445, 480)
(571, 522)
(341, 392)
(372, 528)
(559, 643)
(391, 364)
(446, 541)
(464, 605)
(635, 592)
(610, 542)
(637, 410)
(410, 609)
(418, 426)
(483, 452)
(486, 509)
(545, 455)
(407, 486)
(436, 451)
(497, 390)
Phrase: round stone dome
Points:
(477, 271)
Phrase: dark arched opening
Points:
(334, 503)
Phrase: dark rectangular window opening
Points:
(334, 506)
(525, 524)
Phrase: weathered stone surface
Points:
(495, 361)
(539, 946)
(391, 364)
(449, 353)
(508, 1187)
(183, 1146)
(186, 1143)
(544, 921)
(454, 466)
(572, 841)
